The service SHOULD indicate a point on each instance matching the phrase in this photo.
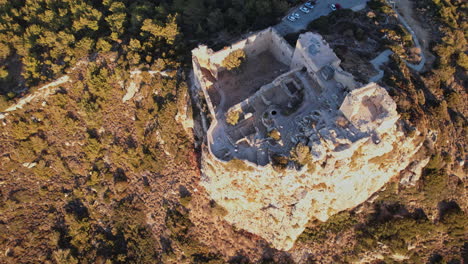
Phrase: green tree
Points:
(117, 19)
(3, 72)
(167, 32)
(4, 51)
(462, 60)
(215, 20)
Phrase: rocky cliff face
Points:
(277, 205)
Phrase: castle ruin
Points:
(284, 99)
(297, 93)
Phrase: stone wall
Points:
(200, 82)
(324, 56)
(252, 46)
(298, 59)
(265, 40)
(280, 48)
(370, 108)
(345, 78)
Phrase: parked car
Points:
(333, 7)
(296, 15)
(304, 9)
(309, 5)
(291, 18)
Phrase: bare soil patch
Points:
(257, 71)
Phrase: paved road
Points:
(322, 8)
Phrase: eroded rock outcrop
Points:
(277, 205)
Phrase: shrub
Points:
(359, 34)
(453, 100)
(238, 165)
(345, 12)
(435, 163)
(421, 97)
(178, 223)
(379, 6)
(462, 60)
(3, 102)
(434, 187)
(274, 134)
(440, 111)
(279, 163)
(334, 225)
(64, 256)
(185, 201)
(234, 60)
(217, 209)
(232, 117)
(321, 25)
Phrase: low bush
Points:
(238, 165)
(232, 117)
(274, 134)
(234, 60)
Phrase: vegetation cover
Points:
(80, 171)
(425, 223)
(234, 60)
(39, 40)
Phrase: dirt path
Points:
(405, 8)
(42, 92)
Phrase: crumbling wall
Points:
(345, 78)
(370, 108)
(205, 60)
(314, 62)
(252, 46)
(200, 82)
(280, 48)
(298, 60)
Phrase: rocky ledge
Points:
(340, 173)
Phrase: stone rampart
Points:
(200, 82)
(314, 53)
(280, 48)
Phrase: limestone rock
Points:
(277, 206)
(411, 175)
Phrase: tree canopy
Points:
(234, 60)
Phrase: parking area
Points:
(321, 8)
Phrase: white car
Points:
(333, 7)
(309, 5)
(304, 9)
(296, 15)
(291, 18)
